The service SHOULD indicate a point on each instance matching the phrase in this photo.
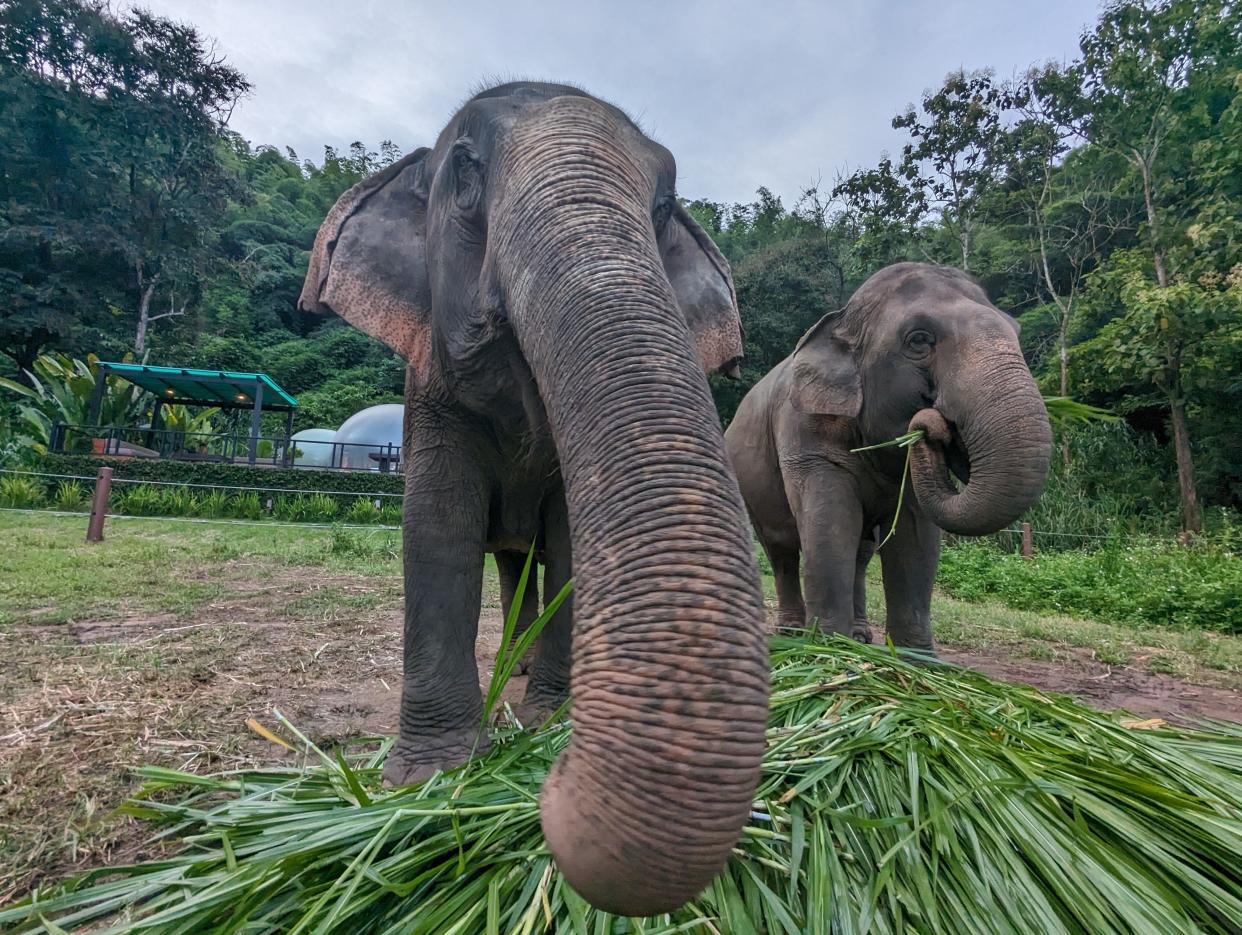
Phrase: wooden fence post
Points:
(99, 505)
(1028, 541)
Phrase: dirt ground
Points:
(82, 702)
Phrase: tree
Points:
(1152, 82)
(945, 169)
(1064, 208)
(114, 126)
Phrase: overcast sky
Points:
(779, 93)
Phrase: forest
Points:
(1098, 199)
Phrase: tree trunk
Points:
(1063, 354)
(1153, 225)
(1192, 519)
(144, 316)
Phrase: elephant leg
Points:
(791, 611)
(830, 526)
(866, 549)
(509, 566)
(445, 526)
(549, 677)
(909, 560)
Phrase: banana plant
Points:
(60, 390)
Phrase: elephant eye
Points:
(919, 343)
(663, 211)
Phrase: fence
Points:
(1023, 538)
(223, 448)
(377, 505)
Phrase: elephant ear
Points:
(703, 284)
(825, 375)
(369, 262)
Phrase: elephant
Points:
(918, 346)
(558, 310)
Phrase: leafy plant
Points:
(321, 508)
(70, 496)
(390, 513)
(1145, 583)
(362, 510)
(213, 504)
(178, 501)
(138, 500)
(61, 391)
(20, 493)
(246, 505)
(290, 508)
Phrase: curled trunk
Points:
(1002, 424)
(669, 683)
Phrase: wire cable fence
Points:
(168, 483)
(266, 523)
(1009, 539)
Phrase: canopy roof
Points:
(223, 388)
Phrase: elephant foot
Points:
(791, 623)
(539, 705)
(921, 654)
(415, 761)
(861, 631)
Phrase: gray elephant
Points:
(916, 347)
(557, 309)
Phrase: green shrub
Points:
(138, 500)
(362, 510)
(226, 475)
(246, 505)
(1143, 583)
(20, 492)
(70, 496)
(390, 512)
(178, 501)
(321, 508)
(290, 508)
(213, 504)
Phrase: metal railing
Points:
(223, 448)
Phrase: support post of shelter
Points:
(99, 505)
(255, 415)
(97, 395)
(157, 421)
(289, 439)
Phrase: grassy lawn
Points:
(157, 645)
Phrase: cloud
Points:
(743, 93)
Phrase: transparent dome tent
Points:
(370, 439)
(313, 447)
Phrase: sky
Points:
(784, 93)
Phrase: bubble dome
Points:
(370, 431)
(313, 447)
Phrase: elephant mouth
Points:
(732, 368)
(956, 455)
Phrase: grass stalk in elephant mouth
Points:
(907, 442)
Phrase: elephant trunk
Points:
(670, 681)
(1003, 425)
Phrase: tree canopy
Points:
(1099, 200)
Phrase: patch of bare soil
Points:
(1109, 687)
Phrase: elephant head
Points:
(922, 347)
(544, 226)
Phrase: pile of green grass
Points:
(895, 798)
